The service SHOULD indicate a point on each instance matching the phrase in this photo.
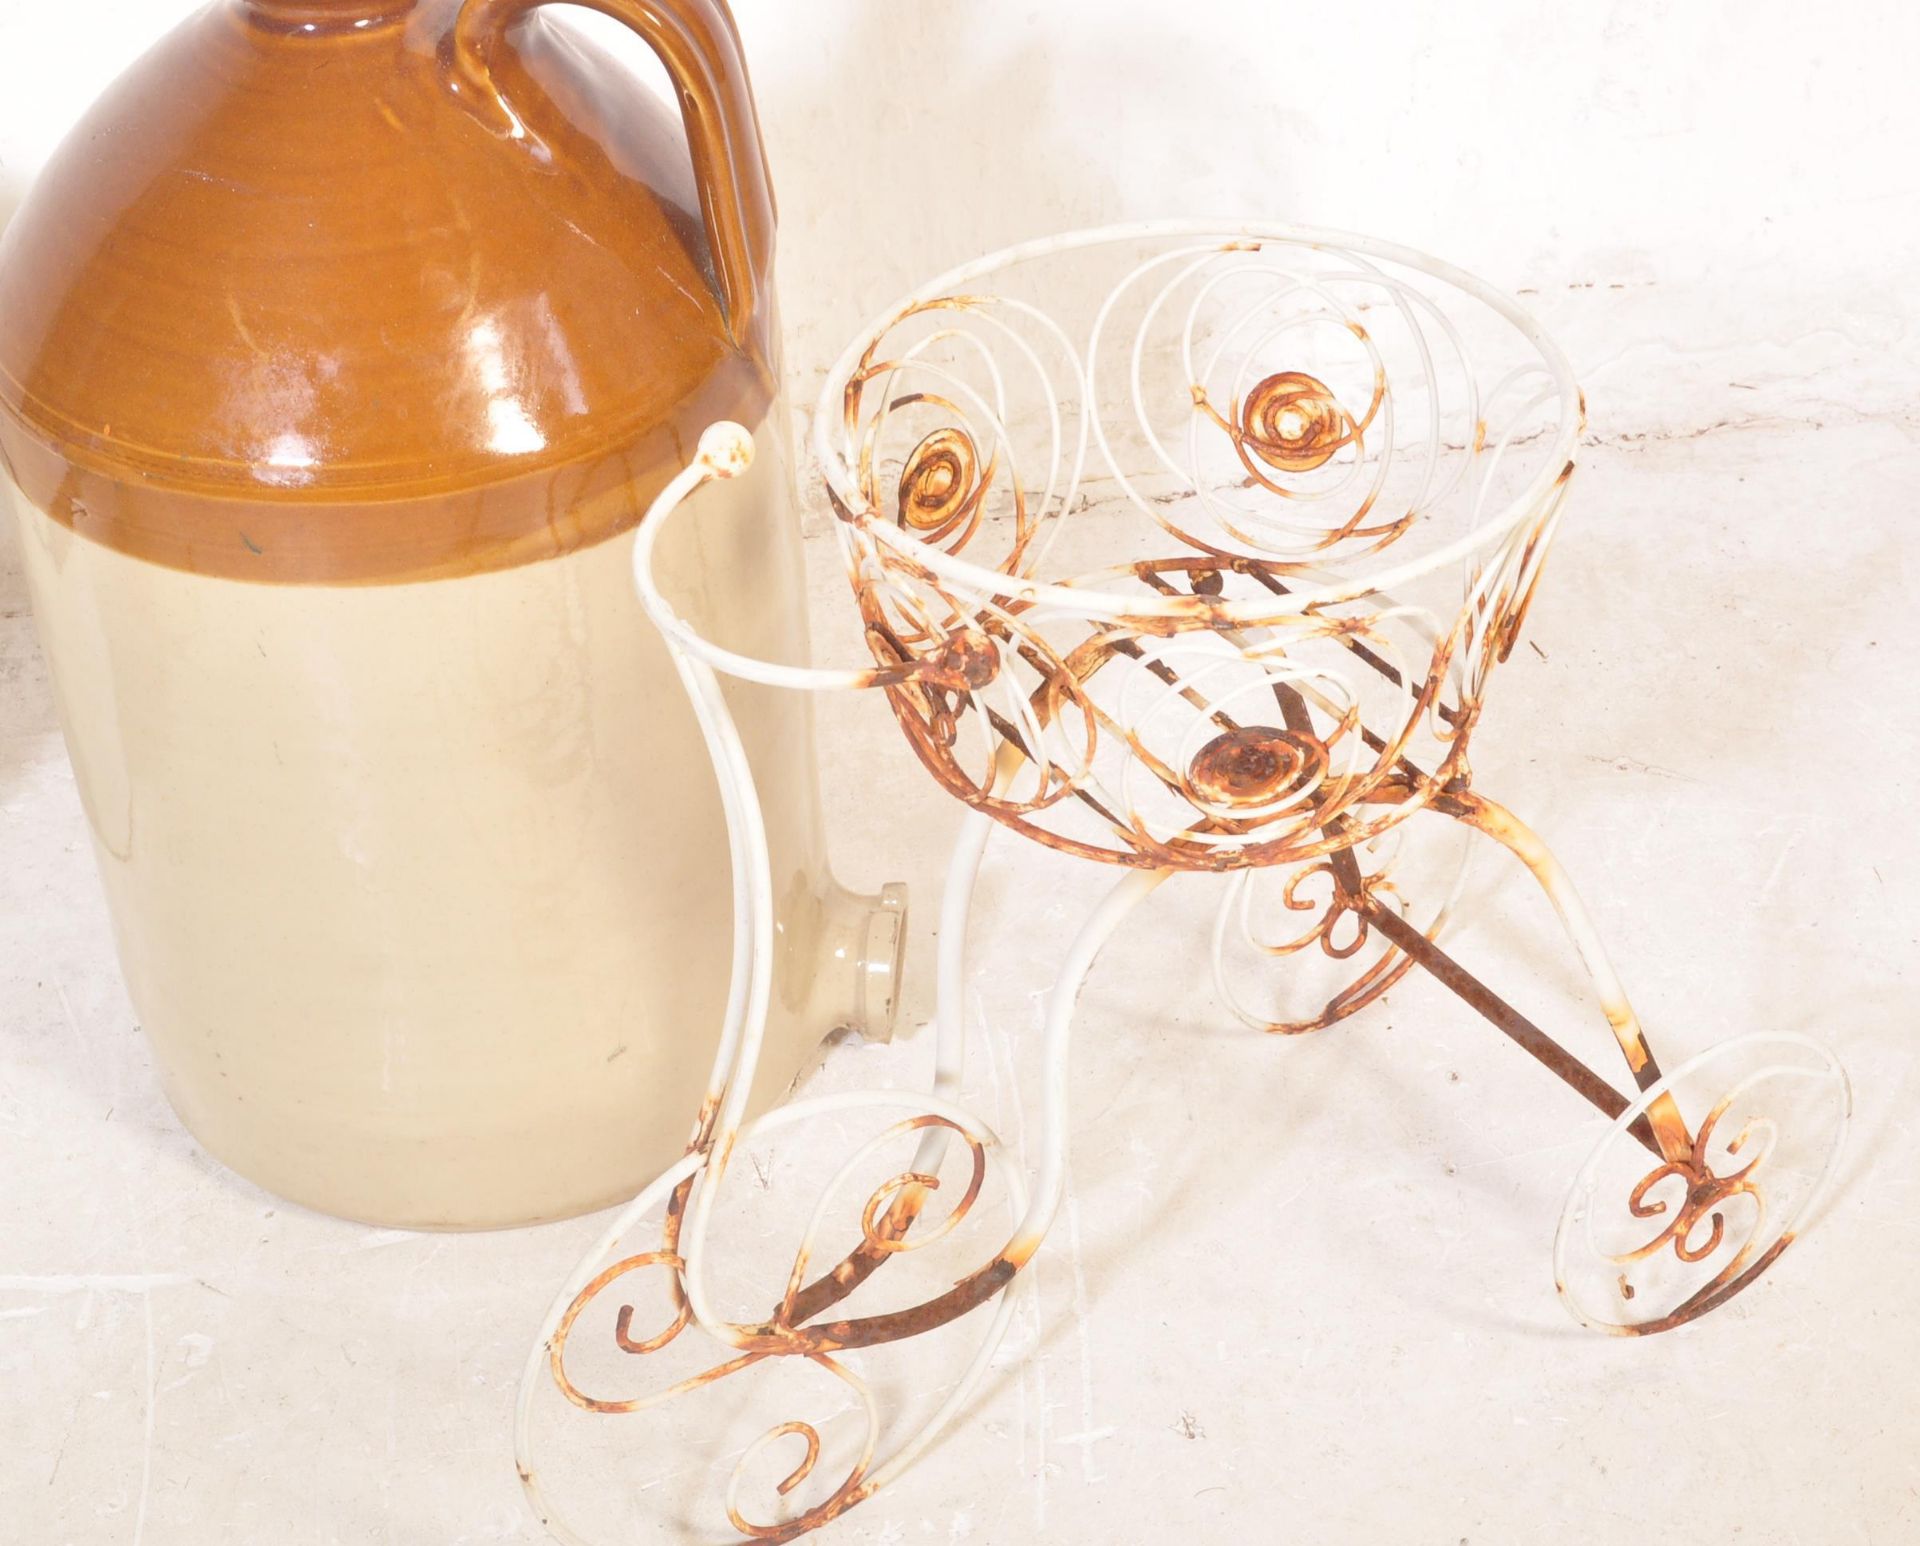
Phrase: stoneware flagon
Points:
(342, 346)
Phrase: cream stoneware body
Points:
(341, 349)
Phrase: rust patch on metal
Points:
(1716, 1293)
(1498, 1013)
(1293, 422)
(940, 484)
(1256, 765)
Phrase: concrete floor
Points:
(1300, 1290)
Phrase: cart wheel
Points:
(1287, 960)
(1645, 1243)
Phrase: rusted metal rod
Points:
(1498, 1013)
(1450, 714)
(1507, 829)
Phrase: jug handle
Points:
(698, 43)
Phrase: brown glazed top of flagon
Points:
(371, 290)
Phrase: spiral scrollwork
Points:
(1703, 1195)
(942, 487)
(1285, 416)
(898, 1215)
(1294, 423)
(1317, 917)
(623, 1326)
(851, 1490)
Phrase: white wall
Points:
(1702, 194)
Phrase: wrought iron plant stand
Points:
(1180, 548)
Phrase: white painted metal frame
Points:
(1275, 588)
